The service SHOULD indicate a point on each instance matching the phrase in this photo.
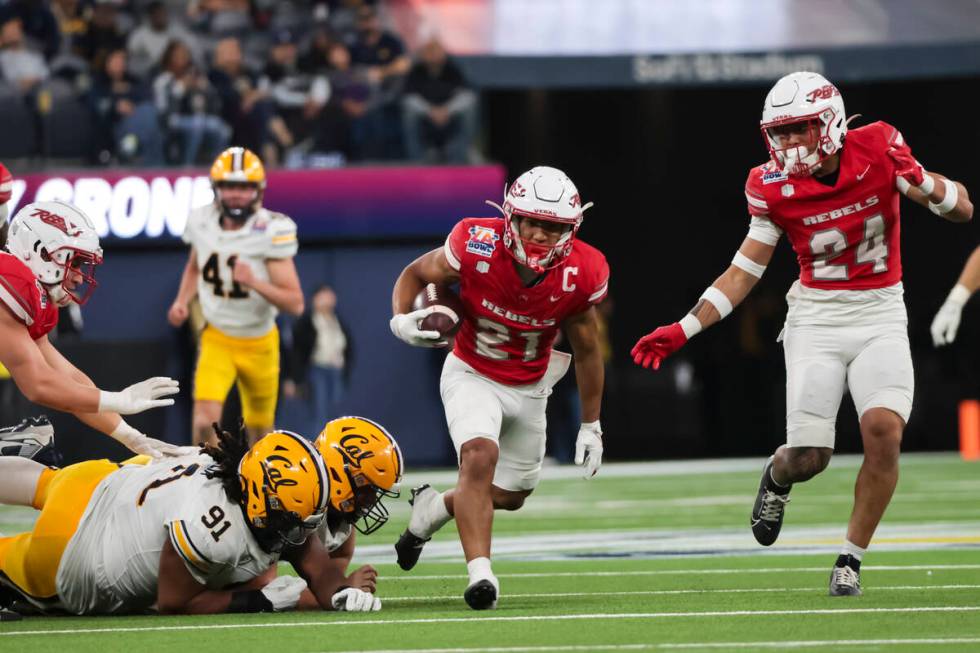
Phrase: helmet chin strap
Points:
(58, 294)
(792, 162)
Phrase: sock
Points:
(479, 568)
(20, 481)
(772, 485)
(440, 514)
(433, 516)
(850, 555)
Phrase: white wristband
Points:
(109, 401)
(719, 300)
(959, 294)
(690, 325)
(743, 262)
(927, 185)
(949, 200)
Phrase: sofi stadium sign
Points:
(347, 203)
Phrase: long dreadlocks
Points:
(232, 447)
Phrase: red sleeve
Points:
(6, 184)
(456, 245)
(599, 288)
(754, 196)
(19, 292)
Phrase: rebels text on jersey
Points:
(508, 329)
(24, 297)
(846, 236)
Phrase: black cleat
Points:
(481, 595)
(9, 615)
(33, 438)
(770, 505)
(845, 581)
(409, 546)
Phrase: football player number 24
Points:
(211, 273)
(829, 244)
(490, 335)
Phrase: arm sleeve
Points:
(15, 294)
(600, 289)
(190, 541)
(282, 238)
(6, 184)
(456, 245)
(758, 206)
(764, 230)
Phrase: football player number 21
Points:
(211, 273)
(829, 244)
(490, 335)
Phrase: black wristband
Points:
(249, 601)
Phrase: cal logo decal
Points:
(482, 241)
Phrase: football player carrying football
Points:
(241, 268)
(521, 279)
(835, 193)
(51, 254)
(195, 537)
(947, 320)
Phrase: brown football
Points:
(448, 316)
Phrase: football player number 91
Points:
(490, 334)
(829, 243)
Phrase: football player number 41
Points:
(211, 273)
(490, 334)
(829, 244)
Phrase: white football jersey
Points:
(228, 306)
(334, 538)
(111, 564)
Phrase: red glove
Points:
(906, 166)
(658, 345)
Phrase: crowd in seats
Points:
(167, 82)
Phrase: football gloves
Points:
(588, 448)
(139, 396)
(405, 327)
(947, 320)
(654, 347)
(284, 592)
(138, 443)
(355, 600)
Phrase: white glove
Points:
(405, 326)
(284, 592)
(947, 320)
(588, 447)
(355, 600)
(147, 446)
(139, 396)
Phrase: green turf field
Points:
(643, 557)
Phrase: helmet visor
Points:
(365, 510)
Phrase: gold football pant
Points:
(254, 362)
(30, 560)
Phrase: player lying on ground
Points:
(835, 194)
(947, 320)
(241, 269)
(51, 254)
(521, 278)
(192, 535)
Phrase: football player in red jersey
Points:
(521, 279)
(836, 199)
(51, 254)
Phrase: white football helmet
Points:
(546, 194)
(58, 242)
(810, 98)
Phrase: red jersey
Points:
(24, 297)
(846, 236)
(6, 184)
(509, 328)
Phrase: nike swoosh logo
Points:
(861, 176)
(554, 299)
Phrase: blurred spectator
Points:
(439, 112)
(299, 96)
(149, 40)
(316, 58)
(246, 107)
(20, 65)
(189, 106)
(341, 15)
(320, 356)
(71, 17)
(220, 17)
(124, 107)
(102, 35)
(37, 23)
(346, 124)
(383, 54)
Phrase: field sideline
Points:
(644, 557)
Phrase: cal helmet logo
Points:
(350, 449)
(482, 241)
(274, 475)
(56, 221)
(822, 93)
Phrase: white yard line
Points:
(326, 623)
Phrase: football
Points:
(448, 316)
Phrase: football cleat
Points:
(409, 546)
(769, 508)
(33, 438)
(481, 595)
(845, 581)
(9, 615)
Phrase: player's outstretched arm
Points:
(717, 301)
(946, 198)
(325, 577)
(947, 320)
(582, 331)
(179, 310)
(432, 267)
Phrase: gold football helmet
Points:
(238, 166)
(284, 489)
(365, 466)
